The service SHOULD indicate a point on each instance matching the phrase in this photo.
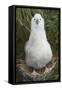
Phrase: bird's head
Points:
(37, 21)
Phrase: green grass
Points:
(23, 22)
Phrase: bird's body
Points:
(37, 49)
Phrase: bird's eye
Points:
(40, 19)
(34, 18)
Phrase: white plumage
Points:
(37, 49)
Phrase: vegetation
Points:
(23, 22)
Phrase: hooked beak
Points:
(37, 21)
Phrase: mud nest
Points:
(24, 72)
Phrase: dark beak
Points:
(37, 21)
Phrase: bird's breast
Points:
(40, 49)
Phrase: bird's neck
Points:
(39, 33)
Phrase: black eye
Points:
(40, 19)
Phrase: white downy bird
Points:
(37, 49)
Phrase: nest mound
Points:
(24, 73)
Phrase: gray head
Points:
(37, 20)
